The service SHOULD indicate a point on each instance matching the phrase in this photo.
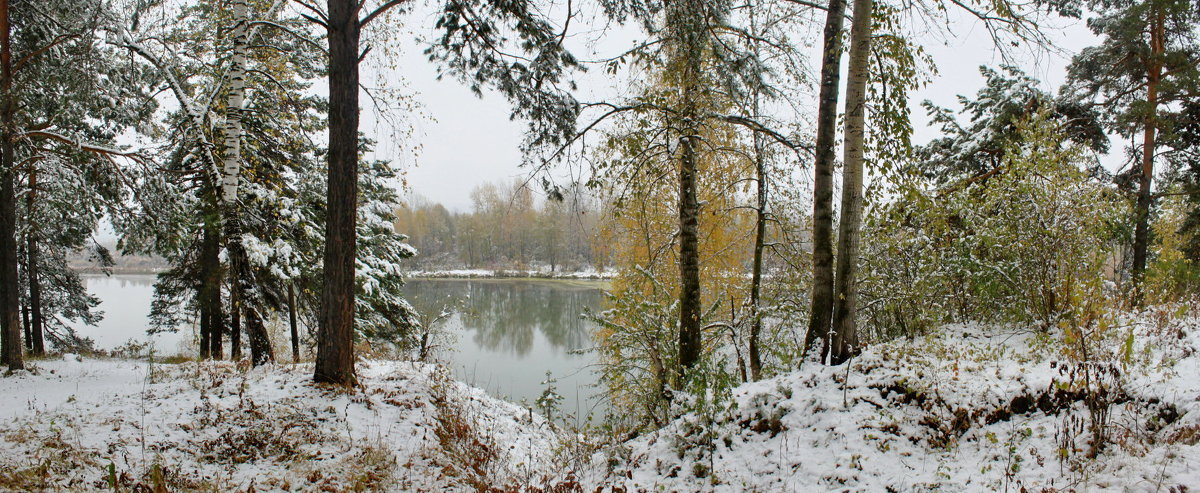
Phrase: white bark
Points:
(232, 129)
(845, 325)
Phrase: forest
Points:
(807, 278)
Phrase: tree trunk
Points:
(212, 318)
(231, 171)
(10, 317)
(845, 333)
(689, 258)
(25, 324)
(760, 233)
(821, 316)
(235, 313)
(687, 26)
(292, 321)
(37, 344)
(260, 342)
(335, 338)
(1141, 232)
(231, 166)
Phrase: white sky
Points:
(467, 141)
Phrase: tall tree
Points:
(821, 316)
(10, 323)
(64, 103)
(335, 340)
(1141, 72)
(472, 46)
(844, 343)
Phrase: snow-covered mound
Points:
(964, 410)
(89, 424)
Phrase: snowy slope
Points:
(218, 427)
(964, 410)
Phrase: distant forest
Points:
(508, 227)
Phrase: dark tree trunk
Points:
(25, 324)
(235, 317)
(760, 233)
(821, 315)
(212, 319)
(845, 326)
(260, 343)
(1141, 232)
(687, 26)
(10, 316)
(237, 278)
(37, 344)
(335, 338)
(292, 322)
(205, 330)
(689, 258)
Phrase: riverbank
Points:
(962, 409)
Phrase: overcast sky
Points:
(466, 141)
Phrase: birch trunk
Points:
(845, 328)
(232, 165)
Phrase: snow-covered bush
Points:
(1028, 241)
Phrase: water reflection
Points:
(125, 300)
(511, 332)
(508, 334)
(505, 315)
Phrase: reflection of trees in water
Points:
(504, 315)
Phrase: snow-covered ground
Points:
(544, 272)
(965, 409)
(84, 424)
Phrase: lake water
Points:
(505, 336)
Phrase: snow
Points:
(928, 415)
(543, 272)
(968, 408)
(230, 427)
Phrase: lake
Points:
(505, 335)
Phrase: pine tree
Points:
(471, 47)
(1143, 69)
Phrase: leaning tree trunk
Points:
(335, 337)
(37, 344)
(821, 316)
(845, 328)
(10, 317)
(260, 342)
(1141, 232)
